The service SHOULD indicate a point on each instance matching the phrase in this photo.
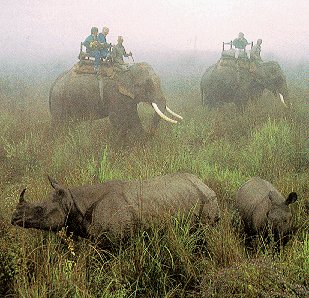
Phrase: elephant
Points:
(241, 80)
(82, 96)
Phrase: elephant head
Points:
(141, 84)
(270, 76)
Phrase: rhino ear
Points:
(291, 198)
(21, 197)
(57, 187)
(52, 181)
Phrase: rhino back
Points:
(167, 194)
(119, 206)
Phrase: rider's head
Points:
(240, 35)
(259, 41)
(120, 39)
(105, 31)
(94, 30)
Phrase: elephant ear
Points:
(125, 90)
(140, 73)
(259, 73)
(125, 84)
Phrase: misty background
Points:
(179, 38)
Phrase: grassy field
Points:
(222, 147)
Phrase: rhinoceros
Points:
(116, 207)
(261, 206)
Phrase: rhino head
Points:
(279, 215)
(50, 214)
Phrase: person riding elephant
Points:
(92, 46)
(255, 54)
(80, 97)
(232, 82)
(104, 45)
(240, 44)
(118, 52)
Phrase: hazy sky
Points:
(29, 27)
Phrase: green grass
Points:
(222, 147)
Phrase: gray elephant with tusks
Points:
(84, 96)
(238, 81)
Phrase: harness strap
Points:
(101, 87)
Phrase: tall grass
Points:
(223, 147)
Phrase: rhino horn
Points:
(21, 196)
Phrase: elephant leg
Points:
(212, 104)
(241, 105)
(154, 125)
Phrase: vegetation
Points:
(223, 147)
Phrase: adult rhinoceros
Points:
(239, 80)
(115, 207)
(78, 95)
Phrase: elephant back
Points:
(233, 63)
(75, 96)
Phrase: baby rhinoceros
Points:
(262, 206)
(116, 207)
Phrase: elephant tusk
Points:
(173, 113)
(158, 111)
(281, 98)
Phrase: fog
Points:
(38, 29)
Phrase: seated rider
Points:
(104, 46)
(118, 52)
(92, 46)
(240, 44)
(256, 51)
